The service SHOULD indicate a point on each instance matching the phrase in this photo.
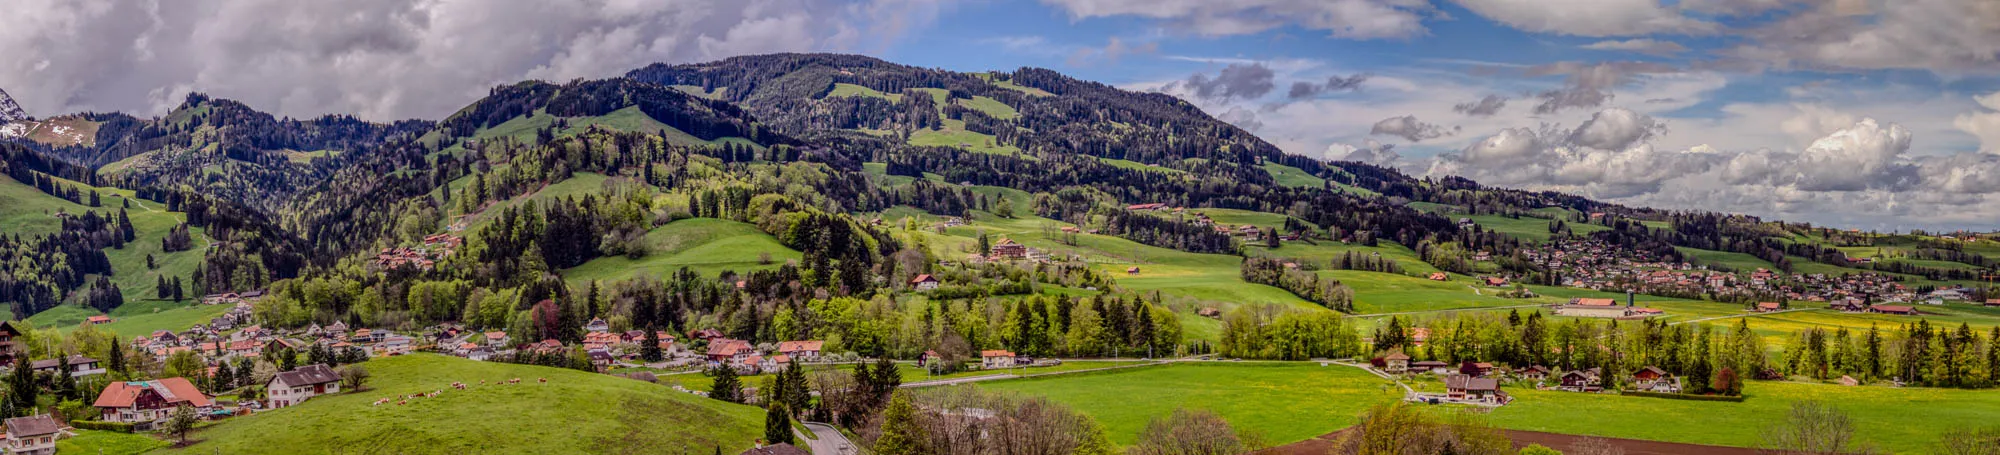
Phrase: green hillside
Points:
(706, 245)
(27, 211)
(574, 412)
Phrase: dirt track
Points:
(1323, 445)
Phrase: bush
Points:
(120, 427)
(1683, 396)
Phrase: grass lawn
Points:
(1293, 177)
(94, 442)
(707, 245)
(1284, 402)
(1900, 420)
(575, 412)
(954, 135)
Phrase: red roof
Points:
(796, 346)
(996, 353)
(1596, 302)
(1767, 305)
(173, 390)
(923, 278)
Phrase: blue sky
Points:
(1879, 114)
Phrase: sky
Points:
(1872, 114)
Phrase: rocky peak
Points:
(9, 110)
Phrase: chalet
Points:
(1580, 381)
(1429, 366)
(727, 350)
(1652, 379)
(1495, 281)
(1533, 373)
(78, 366)
(9, 347)
(33, 435)
(146, 403)
(1009, 249)
(924, 282)
(394, 344)
(1439, 276)
(597, 325)
(1647, 375)
(599, 358)
(496, 338)
(705, 334)
(336, 329)
(599, 340)
(1468, 388)
(1475, 369)
(992, 359)
(1766, 307)
(1892, 309)
(302, 383)
(1396, 362)
(805, 351)
(98, 319)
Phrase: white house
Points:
(145, 403)
(805, 351)
(302, 383)
(78, 366)
(994, 359)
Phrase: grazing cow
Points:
(543, 380)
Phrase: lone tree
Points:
(1188, 432)
(651, 351)
(181, 422)
(777, 424)
(1812, 428)
(353, 378)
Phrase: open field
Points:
(909, 372)
(706, 245)
(622, 415)
(1284, 402)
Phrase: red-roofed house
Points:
(1009, 249)
(1892, 309)
(727, 350)
(1766, 307)
(924, 282)
(805, 351)
(992, 359)
(146, 403)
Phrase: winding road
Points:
(830, 441)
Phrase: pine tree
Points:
(650, 352)
(900, 433)
(777, 424)
(21, 390)
(117, 357)
(798, 394)
(726, 387)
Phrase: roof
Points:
(35, 425)
(1596, 302)
(1767, 305)
(174, 390)
(796, 346)
(996, 353)
(776, 449)
(1463, 382)
(54, 363)
(1894, 309)
(308, 375)
(496, 335)
(922, 278)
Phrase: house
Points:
(146, 403)
(727, 350)
(9, 348)
(805, 351)
(1429, 366)
(1133, 270)
(479, 354)
(927, 357)
(1992, 302)
(1475, 369)
(1646, 376)
(1439, 276)
(1893, 309)
(1396, 362)
(1151, 206)
(775, 449)
(924, 282)
(33, 435)
(496, 339)
(1579, 381)
(1495, 281)
(1468, 388)
(1533, 373)
(1008, 249)
(78, 366)
(1766, 307)
(296, 386)
(992, 359)
(597, 325)
(98, 319)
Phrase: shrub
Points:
(120, 427)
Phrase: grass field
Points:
(1284, 402)
(1293, 177)
(1525, 228)
(954, 135)
(1900, 420)
(93, 442)
(706, 245)
(909, 372)
(574, 412)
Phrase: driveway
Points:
(830, 441)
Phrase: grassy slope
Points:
(1284, 402)
(706, 245)
(25, 210)
(575, 412)
(92, 442)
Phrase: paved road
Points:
(830, 441)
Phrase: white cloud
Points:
(1357, 19)
(1943, 36)
(1640, 45)
(1588, 17)
(391, 59)
(1983, 124)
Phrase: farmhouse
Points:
(1008, 249)
(1766, 307)
(1475, 369)
(78, 366)
(1495, 281)
(992, 359)
(145, 403)
(597, 325)
(33, 435)
(1533, 373)
(1653, 379)
(294, 387)
(727, 350)
(805, 351)
(1467, 388)
(98, 319)
(1396, 362)
(1892, 309)
(924, 282)
(1429, 366)
(1580, 381)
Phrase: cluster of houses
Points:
(1594, 264)
(435, 248)
(1479, 382)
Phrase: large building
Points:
(146, 403)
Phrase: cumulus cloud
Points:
(1867, 155)
(1371, 152)
(1640, 45)
(1984, 124)
(390, 59)
(1615, 129)
(1357, 19)
(1588, 17)
(1242, 118)
(1485, 107)
(1335, 83)
(1409, 128)
(1236, 81)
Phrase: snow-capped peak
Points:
(9, 110)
